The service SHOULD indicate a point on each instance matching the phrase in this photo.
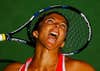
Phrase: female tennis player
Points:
(50, 37)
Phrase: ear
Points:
(35, 34)
(62, 45)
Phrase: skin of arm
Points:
(77, 65)
(13, 67)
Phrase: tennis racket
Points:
(79, 32)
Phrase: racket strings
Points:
(77, 33)
(73, 30)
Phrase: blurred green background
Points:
(14, 13)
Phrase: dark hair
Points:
(36, 26)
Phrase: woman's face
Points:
(52, 31)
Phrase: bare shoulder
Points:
(13, 67)
(77, 65)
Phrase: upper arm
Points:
(83, 66)
(13, 67)
(75, 65)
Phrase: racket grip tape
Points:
(2, 37)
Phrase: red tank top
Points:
(60, 66)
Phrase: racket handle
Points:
(2, 37)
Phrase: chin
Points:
(50, 46)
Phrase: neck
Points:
(44, 58)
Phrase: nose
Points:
(56, 28)
(57, 25)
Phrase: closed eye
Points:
(63, 25)
(50, 21)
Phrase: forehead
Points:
(56, 16)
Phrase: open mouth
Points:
(52, 37)
(54, 34)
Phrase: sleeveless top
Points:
(60, 65)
